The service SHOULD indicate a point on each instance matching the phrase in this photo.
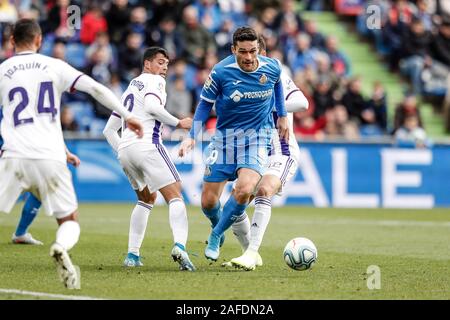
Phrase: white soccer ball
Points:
(300, 254)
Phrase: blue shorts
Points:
(223, 164)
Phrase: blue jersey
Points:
(243, 100)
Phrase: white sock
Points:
(178, 221)
(68, 234)
(241, 229)
(138, 224)
(261, 217)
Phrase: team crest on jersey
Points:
(208, 83)
(263, 79)
(160, 87)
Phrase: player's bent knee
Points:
(171, 191)
(146, 196)
(265, 190)
(242, 194)
(209, 200)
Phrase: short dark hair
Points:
(25, 30)
(261, 43)
(151, 52)
(244, 34)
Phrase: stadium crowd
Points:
(197, 34)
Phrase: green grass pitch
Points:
(411, 248)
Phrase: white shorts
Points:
(49, 180)
(148, 167)
(281, 166)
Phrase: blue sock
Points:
(29, 212)
(213, 214)
(231, 210)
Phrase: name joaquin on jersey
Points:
(236, 96)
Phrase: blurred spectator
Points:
(116, 85)
(68, 122)
(406, 108)
(267, 17)
(234, 10)
(100, 67)
(314, 5)
(102, 42)
(411, 132)
(378, 105)
(197, 40)
(323, 98)
(224, 38)
(399, 17)
(138, 24)
(162, 8)
(8, 12)
(354, 101)
(209, 14)
(289, 14)
(92, 23)
(416, 44)
(179, 99)
(308, 127)
(345, 127)
(302, 55)
(317, 39)
(56, 21)
(59, 50)
(441, 43)
(324, 70)
(181, 69)
(130, 57)
(167, 36)
(118, 17)
(424, 15)
(339, 61)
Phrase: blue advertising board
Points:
(329, 175)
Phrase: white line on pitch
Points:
(47, 295)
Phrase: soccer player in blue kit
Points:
(243, 87)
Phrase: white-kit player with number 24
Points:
(146, 161)
(33, 156)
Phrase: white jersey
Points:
(30, 91)
(133, 99)
(281, 147)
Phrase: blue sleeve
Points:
(279, 100)
(200, 117)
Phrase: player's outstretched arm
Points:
(282, 122)
(107, 98)
(111, 130)
(296, 102)
(200, 117)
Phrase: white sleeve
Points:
(111, 130)
(296, 101)
(67, 75)
(102, 94)
(152, 105)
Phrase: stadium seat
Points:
(47, 46)
(97, 126)
(75, 55)
(83, 113)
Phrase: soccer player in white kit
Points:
(146, 161)
(281, 167)
(33, 156)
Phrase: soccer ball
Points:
(300, 254)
